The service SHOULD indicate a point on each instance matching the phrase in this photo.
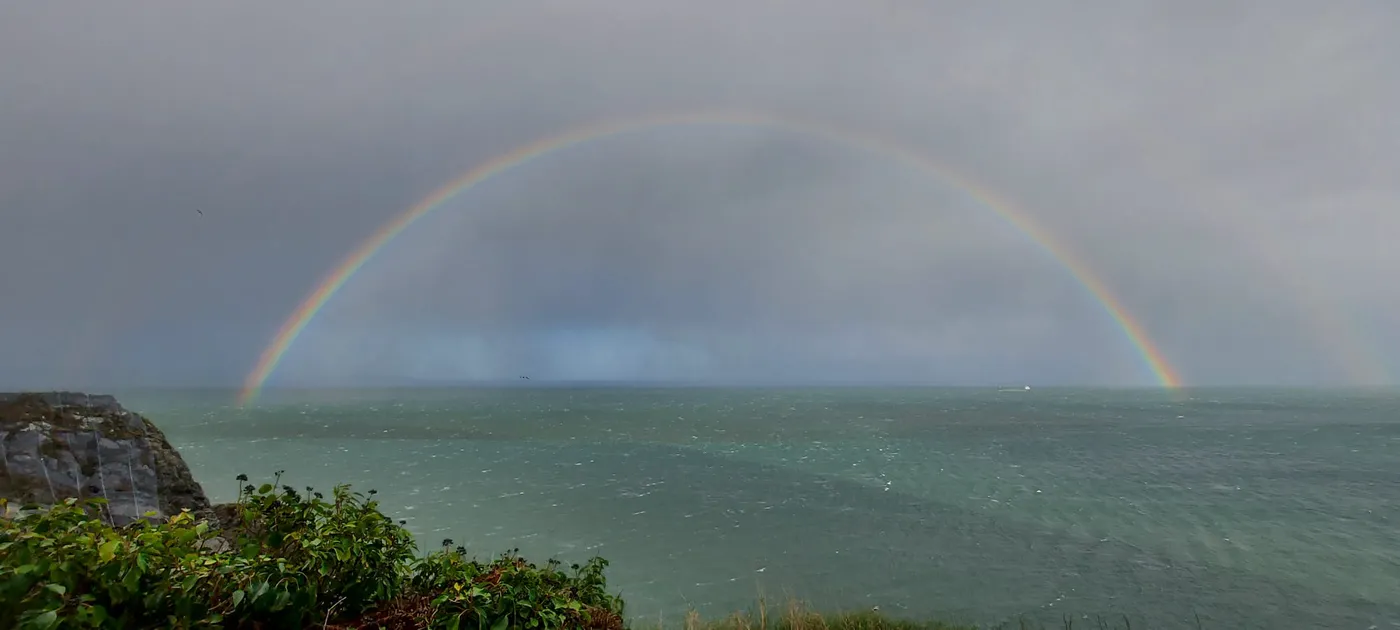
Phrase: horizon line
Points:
(654, 384)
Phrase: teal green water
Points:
(1250, 508)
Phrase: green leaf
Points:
(265, 488)
(108, 550)
(45, 620)
(238, 596)
(132, 579)
(57, 588)
(98, 614)
(502, 623)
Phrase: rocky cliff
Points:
(57, 445)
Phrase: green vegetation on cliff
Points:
(279, 558)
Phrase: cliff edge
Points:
(60, 445)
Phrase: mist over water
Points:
(1250, 508)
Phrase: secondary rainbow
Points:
(1337, 329)
(1152, 358)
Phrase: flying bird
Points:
(525, 377)
(201, 212)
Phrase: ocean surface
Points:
(1252, 508)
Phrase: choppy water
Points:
(1249, 508)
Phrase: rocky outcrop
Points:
(57, 445)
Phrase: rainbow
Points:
(1162, 371)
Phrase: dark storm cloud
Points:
(1227, 168)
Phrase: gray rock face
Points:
(59, 445)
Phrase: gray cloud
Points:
(1226, 168)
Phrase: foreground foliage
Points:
(284, 559)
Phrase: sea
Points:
(1211, 508)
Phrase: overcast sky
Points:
(1227, 169)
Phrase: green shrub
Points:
(343, 552)
(64, 566)
(510, 592)
(284, 560)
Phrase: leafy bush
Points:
(510, 592)
(283, 560)
(64, 565)
(344, 552)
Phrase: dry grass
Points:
(796, 616)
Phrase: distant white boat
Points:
(1024, 389)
